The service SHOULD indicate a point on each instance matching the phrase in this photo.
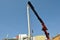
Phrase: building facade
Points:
(41, 37)
(25, 37)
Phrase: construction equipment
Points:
(44, 28)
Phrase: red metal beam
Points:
(44, 28)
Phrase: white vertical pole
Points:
(28, 18)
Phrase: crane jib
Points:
(44, 28)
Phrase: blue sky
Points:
(13, 17)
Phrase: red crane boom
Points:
(44, 28)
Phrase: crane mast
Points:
(44, 28)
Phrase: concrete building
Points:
(40, 37)
(56, 37)
(18, 37)
(22, 37)
(25, 37)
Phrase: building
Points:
(25, 37)
(56, 37)
(41, 37)
(18, 37)
(22, 37)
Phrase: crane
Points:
(44, 28)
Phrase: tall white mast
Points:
(28, 18)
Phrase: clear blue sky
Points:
(13, 17)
